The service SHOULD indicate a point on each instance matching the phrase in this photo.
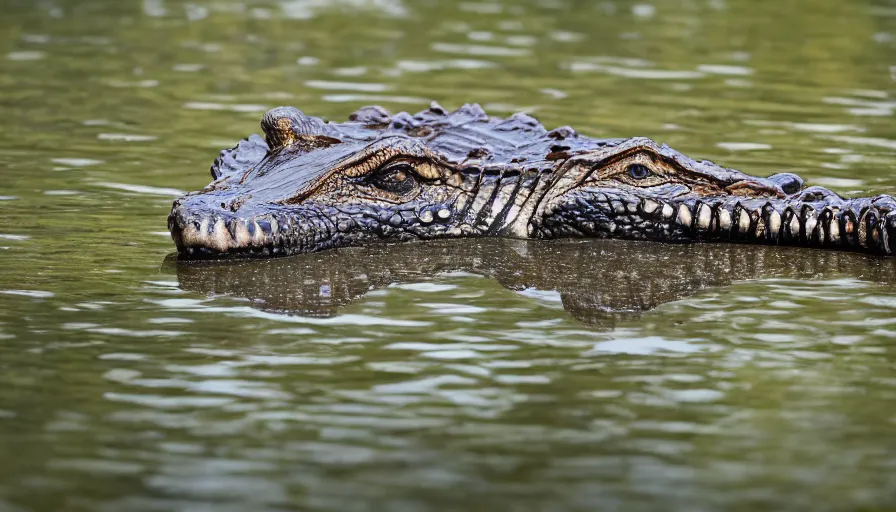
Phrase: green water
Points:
(480, 376)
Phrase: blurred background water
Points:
(508, 375)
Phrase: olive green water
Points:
(480, 376)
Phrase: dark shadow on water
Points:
(599, 282)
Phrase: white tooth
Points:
(444, 213)
(259, 234)
(743, 221)
(684, 216)
(221, 236)
(242, 234)
(426, 216)
(203, 227)
(275, 227)
(649, 206)
(811, 222)
(834, 230)
(704, 216)
(668, 211)
(774, 223)
(795, 225)
(724, 218)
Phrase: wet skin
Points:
(310, 186)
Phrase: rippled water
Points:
(501, 375)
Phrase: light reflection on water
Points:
(452, 376)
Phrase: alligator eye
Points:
(397, 178)
(638, 171)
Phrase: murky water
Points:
(502, 375)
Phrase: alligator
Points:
(310, 185)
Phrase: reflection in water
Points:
(597, 280)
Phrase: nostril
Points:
(790, 183)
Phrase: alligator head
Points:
(310, 186)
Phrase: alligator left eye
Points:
(398, 179)
(638, 171)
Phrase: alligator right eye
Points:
(397, 179)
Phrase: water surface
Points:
(451, 376)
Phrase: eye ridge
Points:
(639, 171)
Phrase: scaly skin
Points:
(311, 186)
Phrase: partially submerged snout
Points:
(199, 229)
(203, 226)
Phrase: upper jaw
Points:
(211, 231)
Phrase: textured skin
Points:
(310, 186)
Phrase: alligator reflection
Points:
(599, 281)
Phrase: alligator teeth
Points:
(684, 216)
(220, 237)
(724, 219)
(794, 225)
(668, 211)
(773, 222)
(240, 233)
(834, 227)
(425, 216)
(258, 236)
(704, 216)
(444, 213)
(631, 207)
(649, 206)
(811, 223)
(743, 221)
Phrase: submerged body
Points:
(309, 186)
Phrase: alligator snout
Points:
(219, 231)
